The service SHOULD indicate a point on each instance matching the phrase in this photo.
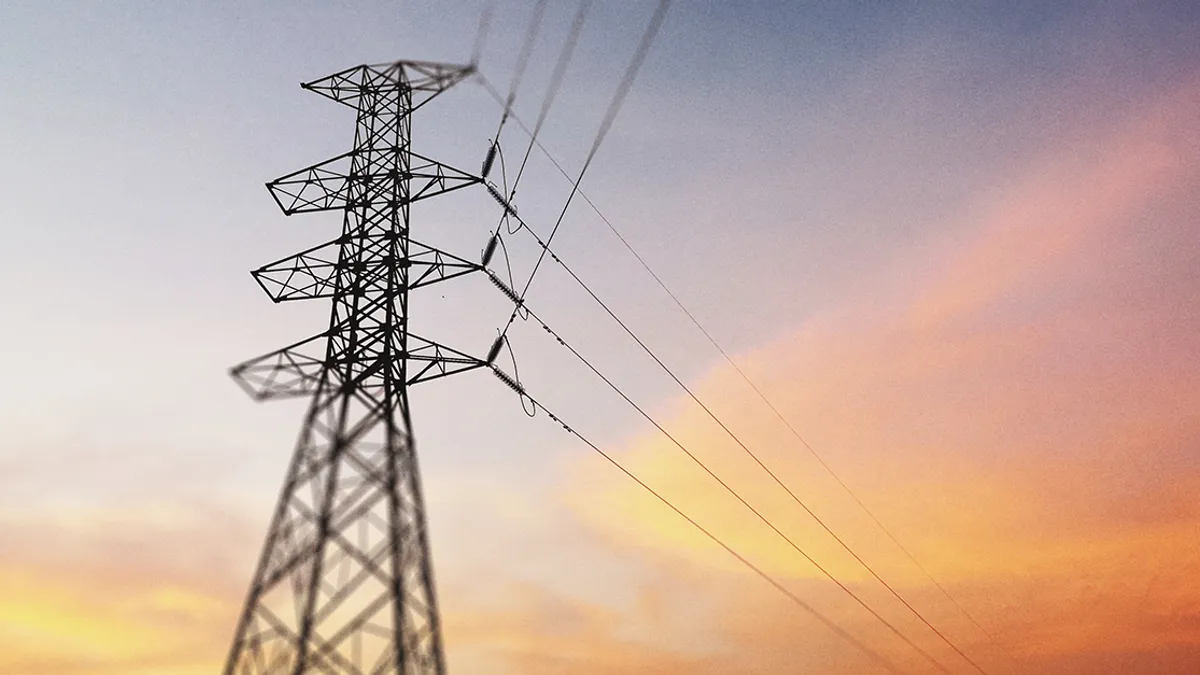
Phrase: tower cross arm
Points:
(284, 373)
(424, 79)
(432, 360)
(315, 272)
(326, 186)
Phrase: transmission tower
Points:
(345, 584)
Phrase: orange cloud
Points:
(114, 592)
(1020, 409)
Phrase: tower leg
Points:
(344, 584)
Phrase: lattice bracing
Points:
(326, 186)
(295, 370)
(344, 584)
(422, 79)
(313, 273)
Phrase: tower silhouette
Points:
(345, 583)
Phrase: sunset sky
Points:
(957, 245)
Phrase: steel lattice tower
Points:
(344, 583)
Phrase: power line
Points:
(757, 460)
(614, 107)
(745, 448)
(531, 33)
(560, 68)
(734, 492)
(485, 24)
(610, 115)
(775, 583)
(556, 79)
(775, 410)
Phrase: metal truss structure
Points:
(344, 584)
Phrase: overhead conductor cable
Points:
(610, 115)
(883, 661)
(729, 359)
(738, 496)
(824, 464)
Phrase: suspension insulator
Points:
(512, 384)
(501, 200)
(490, 249)
(512, 295)
(496, 195)
(489, 159)
(495, 350)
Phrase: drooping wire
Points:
(729, 359)
(728, 488)
(610, 115)
(507, 262)
(503, 174)
(503, 167)
(531, 408)
(775, 583)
